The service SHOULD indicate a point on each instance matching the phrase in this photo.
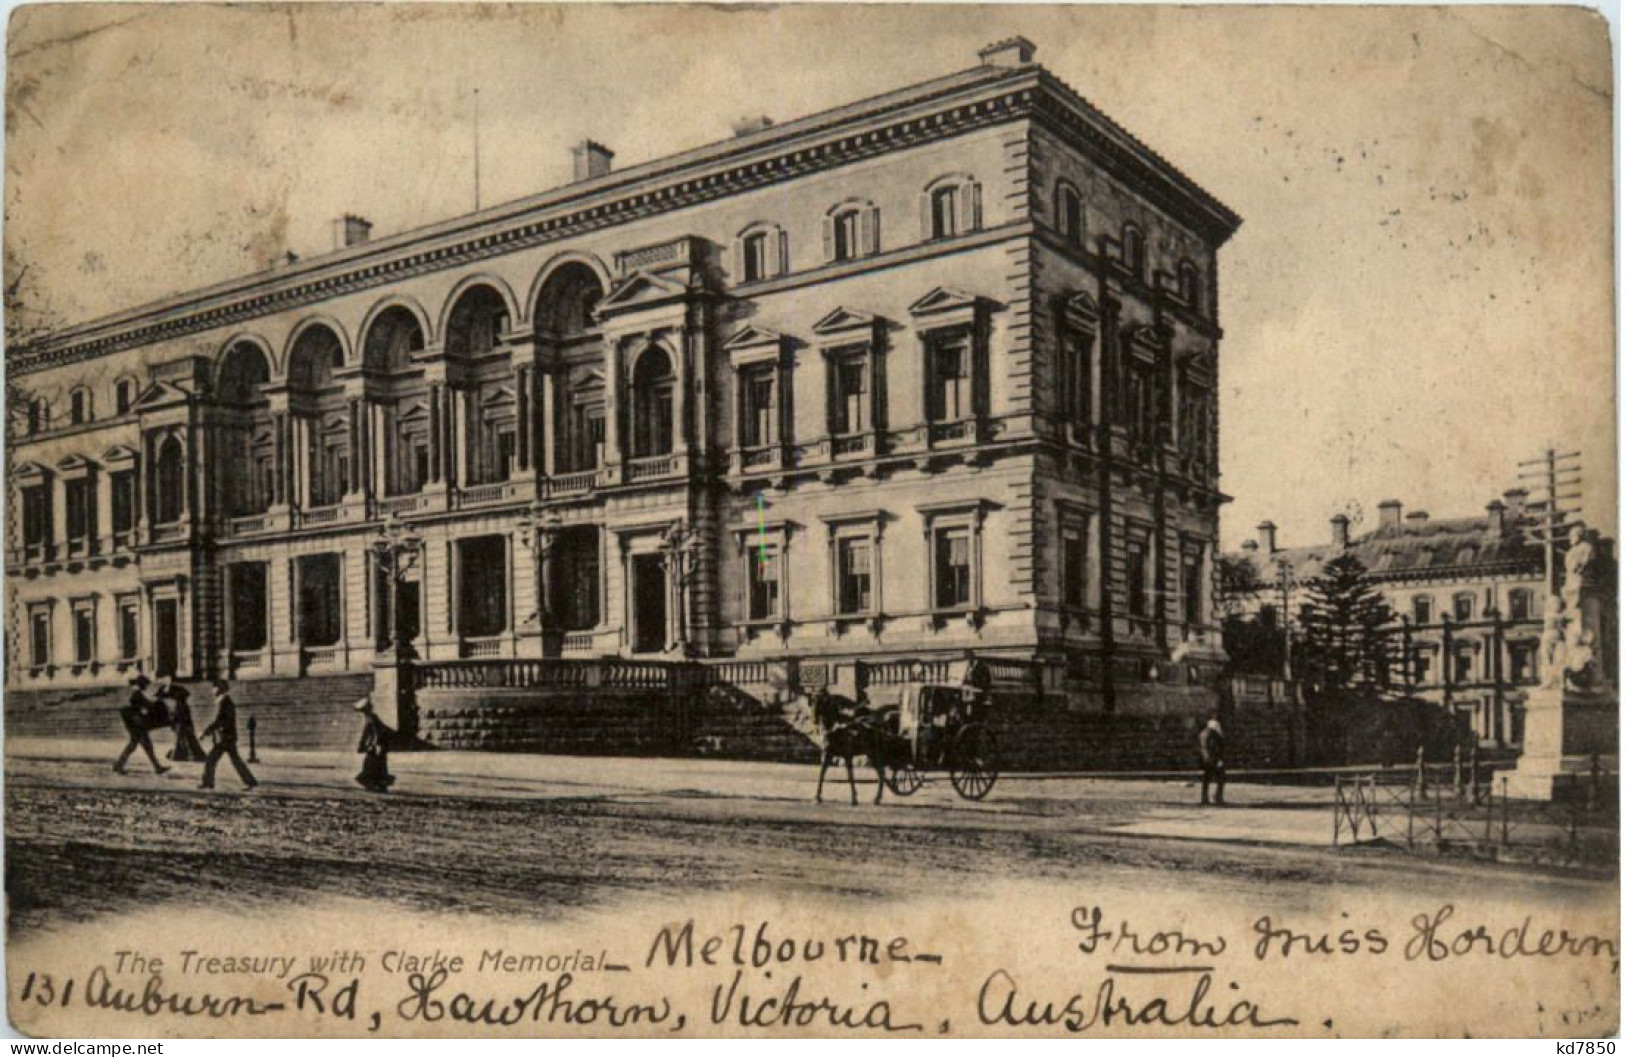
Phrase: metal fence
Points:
(1444, 809)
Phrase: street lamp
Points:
(396, 550)
(681, 546)
(538, 530)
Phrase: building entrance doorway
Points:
(166, 619)
(648, 603)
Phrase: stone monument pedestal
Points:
(1563, 730)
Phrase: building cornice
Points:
(933, 111)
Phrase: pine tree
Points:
(1343, 622)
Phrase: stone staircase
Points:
(730, 722)
(312, 713)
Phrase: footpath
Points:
(1257, 812)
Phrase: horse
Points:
(844, 738)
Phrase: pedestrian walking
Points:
(224, 732)
(1211, 742)
(187, 747)
(374, 749)
(137, 717)
(977, 682)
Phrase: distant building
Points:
(1469, 592)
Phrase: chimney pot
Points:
(1266, 536)
(1389, 511)
(592, 160)
(1418, 517)
(746, 125)
(351, 230)
(1009, 54)
(1340, 532)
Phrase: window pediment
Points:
(76, 466)
(31, 473)
(847, 323)
(119, 455)
(756, 345)
(639, 290)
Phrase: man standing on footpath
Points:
(1211, 742)
(224, 731)
(136, 716)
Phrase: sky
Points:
(1419, 298)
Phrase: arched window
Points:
(1134, 250)
(124, 395)
(952, 206)
(653, 398)
(851, 230)
(565, 306)
(477, 322)
(761, 252)
(391, 340)
(79, 410)
(1190, 285)
(171, 483)
(315, 356)
(1069, 213)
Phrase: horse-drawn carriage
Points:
(932, 728)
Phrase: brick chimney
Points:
(1266, 536)
(592, 160)
(1517, 501)
(1497, 514)
(1008, 54)
(1340, 532)
(351, 230)
(1389, 511)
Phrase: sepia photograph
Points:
(830, 520)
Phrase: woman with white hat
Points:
(374, 750)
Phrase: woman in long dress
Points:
(188, 749)
(374, 750)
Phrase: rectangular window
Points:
(764, 581)
(1191, 582)
(40, 625)
(36, 516)
(320, 604)
(81, 503)
(84, 635)
(420, 466)
(760, 410)
(1074, 568)
(851, 395)
(1424, 667)
(1422, 609)
(1078, 389)
(1141, 405)
(755, 253)
(1464, 666)
(1518, 604)
(950, 380)
(1463, 607)
(854, 574)
(248, 605)
(953, 568)
(483, 575)
(1521, 667)
(846, 235)
(506, 446)
(944, 218)
(129, 630)
(1139, 590)
(123, 487)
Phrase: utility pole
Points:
(1555, 477)
(476, 150)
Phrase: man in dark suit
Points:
(136, 724)
(224, 731)
(1211, 742)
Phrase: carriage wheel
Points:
(904, 778)
(974, 763)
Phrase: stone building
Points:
(1469, 593)
(929, 371)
